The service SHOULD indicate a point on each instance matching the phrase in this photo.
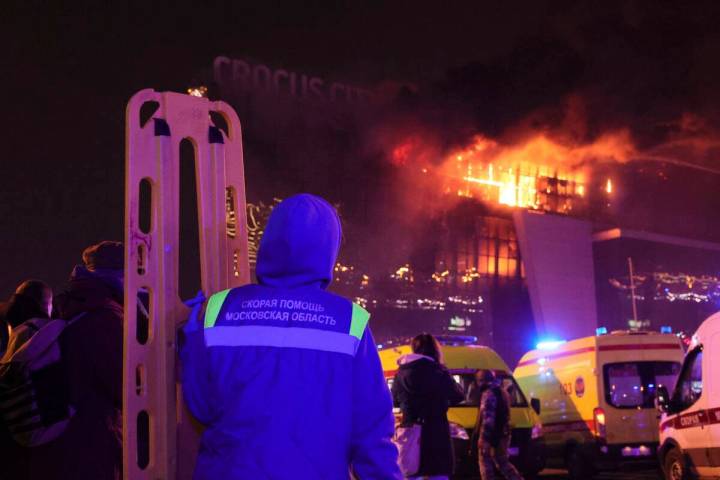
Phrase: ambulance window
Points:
(666, 375)
(690, 384)
(624, 385)
(517, 399)
(633, 384)
(472, 391)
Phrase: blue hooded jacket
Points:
(286, 376)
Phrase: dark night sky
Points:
(68, 71)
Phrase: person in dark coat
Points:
(91, 353)
(423, 389)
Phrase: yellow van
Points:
(597, 397)
(463, 360)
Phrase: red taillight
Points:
(599, 419)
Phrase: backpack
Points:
(34, 396)
(502, 418)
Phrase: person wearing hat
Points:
(493, 428)
(91, 352)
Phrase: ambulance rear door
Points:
(629, 374)
(628, 402)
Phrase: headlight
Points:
(457, 431)
(536, 431)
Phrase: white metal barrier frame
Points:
(152, 399)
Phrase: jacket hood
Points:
(412, 357)
(87, 292)
(112, 279)
(300, 244)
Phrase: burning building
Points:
(521, 227)
(460, 232)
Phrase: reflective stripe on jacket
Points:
(277, 318)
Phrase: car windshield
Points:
(633, 384)
(472, 391)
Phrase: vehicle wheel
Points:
(674, 466)
(578, 466)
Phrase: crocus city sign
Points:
(240, 75)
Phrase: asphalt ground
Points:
(549, 474)
(559, 474)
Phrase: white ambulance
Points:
(598, 397)
(690, 415)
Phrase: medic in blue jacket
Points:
(284, 375)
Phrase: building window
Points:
(488, 249)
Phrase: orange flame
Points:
(527, 173)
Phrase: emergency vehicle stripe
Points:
(281, 337)
(550, 356)
(213, 308)
(696, 418)
(602, 348)
(359, 321)
(641, 346)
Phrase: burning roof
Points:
(538, 172)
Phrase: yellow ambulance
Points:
(463, 359)
(597, 397)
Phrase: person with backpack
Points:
(33, 398)
(91, 349)
(423, 389)
(493, 428)
(284, 375)
(23, 415)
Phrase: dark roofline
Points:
(616, 233)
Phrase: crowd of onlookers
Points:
(280, 397)
(61, 389)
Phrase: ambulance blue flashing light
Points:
(601, 331)
(665, 329)
(549, 344)
(456, 340)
